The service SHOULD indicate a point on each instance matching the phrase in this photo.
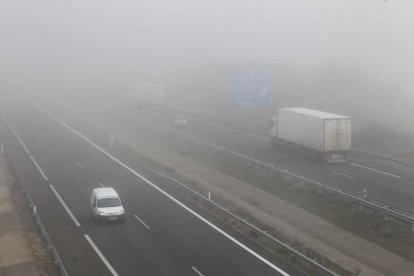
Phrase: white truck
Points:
(316, 134)
(149, 94)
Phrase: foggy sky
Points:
(125, 38)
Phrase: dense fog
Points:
(343, 56)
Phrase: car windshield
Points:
(108, 202)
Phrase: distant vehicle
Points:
(149, 95)
(106, 205)
(180, 120)
(316, 134)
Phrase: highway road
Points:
(164, 234)
(383, 180)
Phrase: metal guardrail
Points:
(60, 269)
(320, 268)
(387, 210)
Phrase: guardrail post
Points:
(209, 196)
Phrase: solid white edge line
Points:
(79, 164)
(197, 271)
(375, 170)
(39, 168)
(344, 175)
(23, 145)
(64, 206)
(8, 123)
(241, 245)
(143, 223)
(104, 260)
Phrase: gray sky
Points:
(77, 37)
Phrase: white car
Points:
(106, 205)
(180, 120)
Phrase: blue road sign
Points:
(251, 89)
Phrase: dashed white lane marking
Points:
(143, 223)
(375, 170)
(104, 260)
(218, 125)
(344, 175)
(79, 164)
(65, 206)
(39, 168)
(102, 185)
(23, 145)
(237, 140)
(209, 112)
(197, 271)
(185, 207)
(258, 137)
(281, 154)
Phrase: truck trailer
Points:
(315, 134)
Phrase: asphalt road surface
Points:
(162, 235)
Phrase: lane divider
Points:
(65, 206)
(104, 260)
(8, 123)
(188, 209)
(39, 168)
(258, 137)
(23, 145)
(344, 175)
(197, 271)
(143, 223)
(375, 170)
